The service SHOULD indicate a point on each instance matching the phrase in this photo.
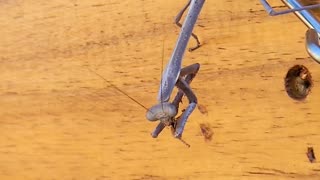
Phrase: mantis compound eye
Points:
(162, 111)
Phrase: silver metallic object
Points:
(173, 75)
(304, 14)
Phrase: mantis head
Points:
(165, 112)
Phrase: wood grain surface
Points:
(58, 120)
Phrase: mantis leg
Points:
(183, 84)
(158, 130)
(189, 73)
(178, 18)
(181, 122)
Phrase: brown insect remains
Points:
(202, 109)
(206, 131)
(310, 155)
(298, 82)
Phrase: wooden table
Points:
(60, 121)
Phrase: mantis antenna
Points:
(134, 100)
(118, 89)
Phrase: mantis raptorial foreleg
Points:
(189, 73)
(186, 76)
(180, 123)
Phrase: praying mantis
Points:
(173, 75)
